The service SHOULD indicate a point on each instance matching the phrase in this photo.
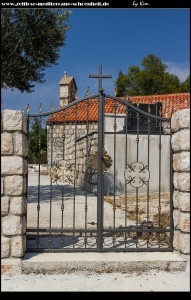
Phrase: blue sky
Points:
(117, 39)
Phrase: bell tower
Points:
(68, 89)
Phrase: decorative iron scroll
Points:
(107, 161)
(63, 172)
(137, 174)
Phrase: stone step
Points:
(59, 263)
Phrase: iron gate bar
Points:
(159, 203)
(134, 108)
(38, 205)
(60, 230)
(110, 132)
(171, 194)
(74, 196)
(137, 140)
(51, 154)
(27, 174)
(105, 230)
(160, 119)
(125, 199)
(100, 155)
(101, 231)
(63, 157)
(100, 194)
(114, 168)
(131, 106)
(148, 166)
(86, 171)
(48, 113)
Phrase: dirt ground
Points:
(148, 207)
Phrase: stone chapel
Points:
(72, 132)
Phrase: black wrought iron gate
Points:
(103, 182)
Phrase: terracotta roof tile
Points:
(170, 102)
(88, 110)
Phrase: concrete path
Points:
(74, 214)
(69, 202)
(97, 272)
(151, 281)
(60, 263)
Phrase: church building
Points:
(72, 132)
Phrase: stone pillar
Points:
(181, 166)
(14, 151)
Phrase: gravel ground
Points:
(150, 281)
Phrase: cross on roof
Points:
(100, 76)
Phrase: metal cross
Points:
(100, 76)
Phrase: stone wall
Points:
(86, 176)
(71, 150)
(60, 135)
(14, 151)
(181, 167)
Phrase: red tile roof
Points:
(83, 111)
(170, 102)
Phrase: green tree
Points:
(152, 79)
(185, 86)
(30, 42)
(37, 133)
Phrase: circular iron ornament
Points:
(137, 174)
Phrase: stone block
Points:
(12, 120)
(175, 180)
(184, 201)
(5, 247)
(11, 165)
(20, 144)
(6, 143)
(4, 205)
(176, 199)
(17, 246)
(11, 266)
(182, 181)
(12, 225)
(181, 140)
(180, 119)
(184, 243)
(181, 161)
(184, 222)
(18, 205)
(14, 185)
